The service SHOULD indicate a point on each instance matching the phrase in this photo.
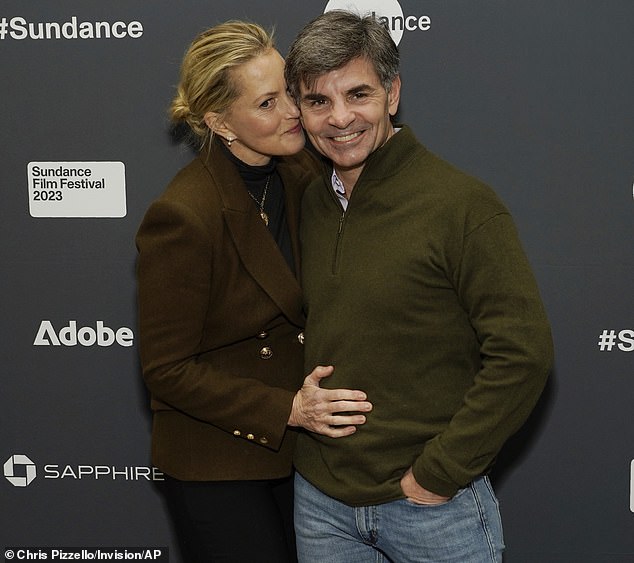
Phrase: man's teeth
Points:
(347, 137)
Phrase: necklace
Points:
(263, 214)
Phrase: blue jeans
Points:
(466, 529)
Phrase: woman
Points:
(220, 307)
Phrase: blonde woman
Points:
(220, 307)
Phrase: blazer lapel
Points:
(295, 179)
(257, 248)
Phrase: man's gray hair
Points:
(335, 38)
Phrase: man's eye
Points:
(313, 103)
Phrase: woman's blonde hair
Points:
(206, 82)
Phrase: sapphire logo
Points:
(19, 470)
(388, 12)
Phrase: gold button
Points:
(250, 437)
(300, 337)
(266, 353)
(236, 432)
(263, 440)
(262, 335)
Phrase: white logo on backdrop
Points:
(17, 465)
(20, 461)
(70, 335)
(76, 189)
(20, 28)
(632, 486)
(388, 12)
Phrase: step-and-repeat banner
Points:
(535, 98)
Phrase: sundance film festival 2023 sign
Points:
(76, 189)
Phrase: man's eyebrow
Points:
(361, 88)
(313, 96)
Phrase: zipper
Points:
(335, 262)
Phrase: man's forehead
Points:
(356, 73)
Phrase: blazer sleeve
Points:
(175, 279)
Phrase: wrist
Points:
(293, 418)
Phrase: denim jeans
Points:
(465, 529)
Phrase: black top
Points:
(255, 179)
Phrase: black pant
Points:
(233, 521)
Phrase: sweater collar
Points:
(390, 158)
(384, 162)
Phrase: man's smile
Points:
(348, 137)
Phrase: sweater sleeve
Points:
(497, 289)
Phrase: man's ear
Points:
(217, 124)
(394, 95)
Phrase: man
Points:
(418, 292)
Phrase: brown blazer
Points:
(220, 324)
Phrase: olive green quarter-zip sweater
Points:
(420, 295)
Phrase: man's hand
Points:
(417, 494)
(316, 409)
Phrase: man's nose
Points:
(341, 115)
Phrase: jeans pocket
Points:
(412, 502)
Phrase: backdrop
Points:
(534, 98)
